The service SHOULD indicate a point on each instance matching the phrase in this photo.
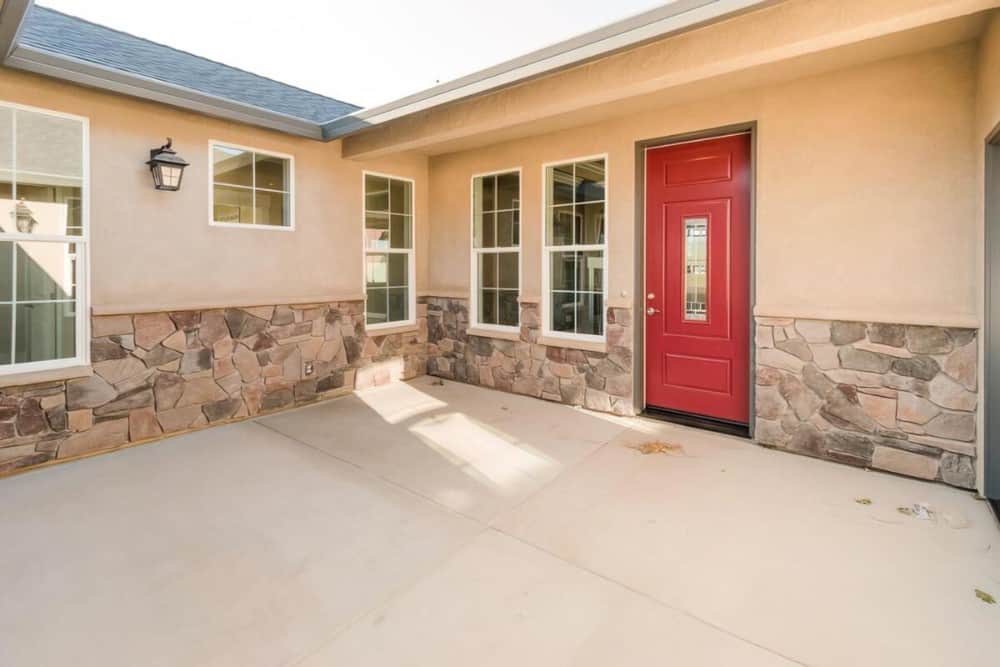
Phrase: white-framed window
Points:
(44, 232)
(574, 262)
(496, 249)
(390, 271)
(250, 188)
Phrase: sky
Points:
(364, 52)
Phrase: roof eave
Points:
(12, 14)
(95, 76)
(677, 17)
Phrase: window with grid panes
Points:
(388, 237)
(251, 187)
(575, 253)
(43, 238)
(496, 249)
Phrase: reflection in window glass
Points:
(399, 303)
(496, 234)
(399, 230)
(376, 230)
(695, 269)
(48, 208)
(44, 331)
(42, 190)
(6, 144)
(49, 145)
(232, 166)
(377, 306)
(270, 173)
(376, 271)
(388, 235)
(376, 193)
(271, 208)
(232, 204)
(250, 187)
(575, 229)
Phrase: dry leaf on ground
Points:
(985, 597)
(658, 447)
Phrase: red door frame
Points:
(639, 301)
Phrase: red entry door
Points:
(698, 278)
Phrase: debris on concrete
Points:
(863, 501)
(657, 447)
(437, 383)
(985, 597)
(920, 511)
(955, 520)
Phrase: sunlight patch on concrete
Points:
(399, 401)
(482, 452)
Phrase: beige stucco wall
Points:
(865, 191)
(803, 36)
(988, 91)
(153, 250)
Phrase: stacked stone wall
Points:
(889, 396)
(894, 397)
(599, 381)
(160, 373)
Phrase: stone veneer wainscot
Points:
(162, 373)
(597, 380)
(890, 396)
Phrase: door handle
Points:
(652, 311)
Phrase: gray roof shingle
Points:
(68, 36)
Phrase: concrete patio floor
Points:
(425, 524)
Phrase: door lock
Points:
(652, 311)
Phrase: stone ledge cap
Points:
(514, 335)
(41, 377)
(585, 345)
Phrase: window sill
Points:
(585, 345)
(512, 334)
(41, 377)
(389, 329)
(247, 225)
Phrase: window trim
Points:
(475, 252)
(212, 144)
(411, 321)
(547, 331)
(82, 301)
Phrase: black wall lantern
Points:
(167, 167)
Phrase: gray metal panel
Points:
(991, 343)
(51, 32)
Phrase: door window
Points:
(695, 269)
